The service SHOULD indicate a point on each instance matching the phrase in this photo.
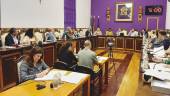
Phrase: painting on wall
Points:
(124, 11)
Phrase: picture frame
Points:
(124, 11)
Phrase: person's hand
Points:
(45, 71)
(156, 59)
(39, 75)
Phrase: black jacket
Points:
(68, 57)
(9, 40)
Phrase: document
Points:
(158, 74)
(73, 77)
(66, 76)
(101, 58)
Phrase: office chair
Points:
(94, 78)
(63, 66)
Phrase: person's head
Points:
(132, 29)
(67, 47)
(110, 29)
(68, 29)
(35, 56)
(119, 29)
(162, 34)
(29, 33)
(98, 28)
(50, 30)
(143, 30)
(87, 44)
(13, 31)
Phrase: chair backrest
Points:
(39, 36)
(61, 65)
(19, 62)
(85, 70)
(3, 38)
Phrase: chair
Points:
(94, 79)
(62, 65)
(19, 62)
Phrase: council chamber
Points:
(84, 48)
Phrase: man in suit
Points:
(87, 57)
(12, 38)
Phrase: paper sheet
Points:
(101, 58)
(71, 77)
(158, 74)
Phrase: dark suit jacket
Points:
(9, 40)
(68, 57)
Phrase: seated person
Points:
(12, 38)
(82, 34)
(87, 57)
(76, 33)
(50, 36)
(143, 33)
(133, 32)
(68, 34)
(29, 37)
(119, 32)
(57, 34)
(97, 32)
(88, 33)
(109, 32)
(66, 55)
(156, 41)
(33, 65)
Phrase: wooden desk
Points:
(67, 89)
(103, 66)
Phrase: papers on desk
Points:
(101, 58)
(159, 67)
(159, 52)
(161, 86)
(10, 47)
(71, 77)
(158, 74)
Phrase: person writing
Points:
(33, 66)
(86, 57)
(12, 38)
(66, 55)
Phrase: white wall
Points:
(30, 13)
(168, 16)
(83, 13)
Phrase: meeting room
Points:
(84, 47)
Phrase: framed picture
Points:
(124, 11)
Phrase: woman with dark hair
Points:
(66, 55)
(33, 65)
(29, 37)
(12, 38)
